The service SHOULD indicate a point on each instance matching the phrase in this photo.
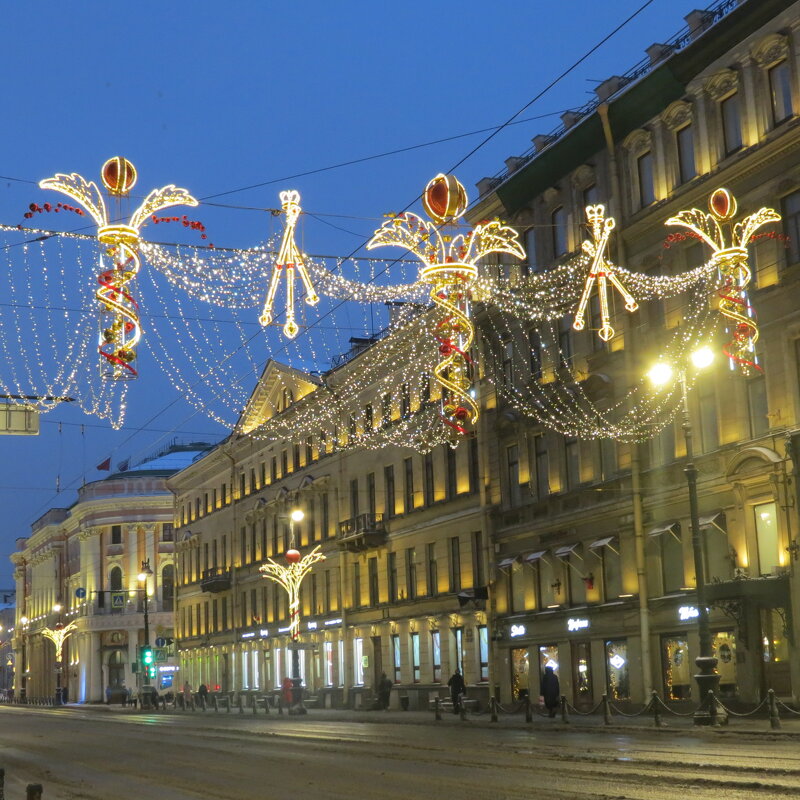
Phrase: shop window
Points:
(458, 638)
(415, 663)
(644, 169)
(769, 552)
(396, 656)
(582, 694)
(358, 662)
(520, 671)
(677, 668)
(436, 656)
(780, 90)
(548, 657)
(684, 139)
(483, 652)
(617, 670)
(723, 646)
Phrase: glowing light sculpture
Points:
(58, 636)
(120, 330)
(601, 271)
(731, 260)
(289, 259)
(449, 266)
(290, 577)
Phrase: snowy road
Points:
(89, 754)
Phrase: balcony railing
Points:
(362, 532)
(216, 579)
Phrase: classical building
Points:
(523, 548)
(81, 565)
(595, 570)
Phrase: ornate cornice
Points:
(677, 114)
(638, 141)
(583, 177)
(722, 83)
(770, 50)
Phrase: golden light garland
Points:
(449, 265)
(120, 330)
(289, 259)
(729, 256)
(602, 272)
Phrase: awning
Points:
(670, 527)
(715, 520)
(506, 563)
(566, 550)
(605, 542)
(531, 557)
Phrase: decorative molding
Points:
(551, 196)
(770, 50)
(638, 141)
(584, 176)
(722, 83)
(677, 114)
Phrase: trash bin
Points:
(404, 702)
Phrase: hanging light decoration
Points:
(120, 328)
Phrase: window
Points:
(507, 366)
(512, 474)
(780, 90)
(684, 139)
(757, 406)
(617, 677)
(591, 196)
(116, 534)
(542, 466)
(391, 569)
(325, 521)
(408, 467)
(473, 465)
(167, 532)
(571, 458)
(769, 550)
(436, 656)
(516, 587)
(328, 666)
(284, 463)
(411, 573)
(427, 464)
(671, 555)
(535, 344)
(731, 123)
(478, 573)
(388, 484)
(530, 250)
(451, 476)
(356, 585)
(791, 224)
(415, 666)
(558, 220)
(483, 653)
(386, 410)
(374, 596)
(458, 635)
(354, 498)
(717, 562)
(433, 573)
(396, 656)
(405, 401)
(455, 564)
(612, 573)
(358, 662)
(709, 429)
(644, 169)
(371, 494)
(565, 341)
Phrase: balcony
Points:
(215, 580)
(361, 533)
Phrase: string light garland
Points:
(120, 329)
(729, 256)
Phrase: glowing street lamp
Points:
(708, 678)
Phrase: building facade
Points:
(81, 565)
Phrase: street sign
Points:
(117, 599)
(161, 641)
(302, 646)
(18, 420)
(160, 654)
(80, 593)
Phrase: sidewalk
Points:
(748, 725)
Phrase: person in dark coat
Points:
(384, 691)
(550, 691)
(457, 688)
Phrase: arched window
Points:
(115, 579)
(116, 669)
(559, 222)
(167, 588)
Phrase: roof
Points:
(167, 463)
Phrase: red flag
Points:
(105, 465)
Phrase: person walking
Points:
(550, 691)
(188, 698)
(202, 692)
(384, 691)
(457, 689)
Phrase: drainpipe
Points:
(636, 486)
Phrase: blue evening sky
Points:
(215, 96)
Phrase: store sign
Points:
(516, 630)
(312, 626)
(616, 661)
(577, 624)
(688, 612)
(337, 621)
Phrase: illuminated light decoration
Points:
(517, 630)
(120, 329)
(289, 259)
(617, 661)
(729, 256)
(688, 612)
(449, 266)
(601, 272)
(58, 635)
(577, 624)
(290, 577)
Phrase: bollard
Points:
(266, 704)
(203, 703)
(462, 709)
(712, 708)
(241, 705)
(33, 791)
(774, 717)
(564, 714)
(228, 703)
(255, 705)
(606, 710)
(528, 711)
(216, 704)
(280, 706)
(437, 709)
(493, 709)
(656, 710)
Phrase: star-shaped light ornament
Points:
(289, 259)
(449, 265)
(601, 272)
(729, 255)
(120, 330)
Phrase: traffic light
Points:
(148, 661)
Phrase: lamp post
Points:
(707, 677)
(295, 516)
(144, 574)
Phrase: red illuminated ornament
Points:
(444, 198)
(293, 556)
(722, 204)
(118, 175)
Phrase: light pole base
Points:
(297, 706)
(710, 711)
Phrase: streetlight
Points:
(146, 654)
(707, 679)
(296, 515)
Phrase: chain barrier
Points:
(762, 704)
(791, 710)
(575, 710)
(643, 710)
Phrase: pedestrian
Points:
(457, 688)
(550, 691)
(108, 695)
(287, 692)
(384, 691)
(187, 694)
(202, 692)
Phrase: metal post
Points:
(493, 709)
(216, 704)
(241, 704)
(437, 709)
(33, 791)
(462, 709)
(774, 717)
(255, 704)
(654, 699)
(606, 710)
(528, 712)
(707, 679)
(564, 712)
